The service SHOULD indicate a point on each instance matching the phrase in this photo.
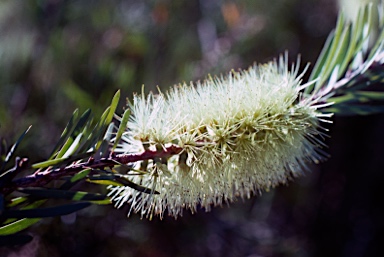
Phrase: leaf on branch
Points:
(81, 124)
(64, 136)
(103, 150)
(93, 138)
(17, 226)
(107, 117)
(354, 109)
(62, 194)
(108, 180)
(127, 182)
(341, 47)
(13, 149)
(113, 107)
(119, 180)
(122, 128)
(56, 162)
(16, 201)
(345, 71)
(46, 212)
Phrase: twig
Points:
(42, 178)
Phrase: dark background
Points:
(59, 55)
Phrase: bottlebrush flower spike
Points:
(238, 135)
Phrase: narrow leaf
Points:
(55, 162)
(122, 128)
(61, 194)
(112, 110)
(74, 179)
(46, 212)
(17, 226)
(104, 180)
(13, 148)
(17, 200)
(103, 150)
(67, 130)
(127, 182)
(102, 202)
(348, 110)
(76, 131)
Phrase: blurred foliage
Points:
(57, 55)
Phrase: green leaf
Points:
(55, 162)
(127, 182)
(102, 202)
(113, 107)
(118, 180)
(107, 180)
(17, 200)
(82, 174)
(46, 212)
(350, 109)
(48, 163)
(106, 119)
(122, 127)
(3, 151)
(62, 194)
(73, 147)
(76, 131)
(95, 137)
(64, 136)
(365, 96)
(103, 150)
(17, 226)
(341, 47)
(13, 149)
(329, 58)
(74, 179)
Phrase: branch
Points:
(42, 178)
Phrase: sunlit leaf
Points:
(17, 200)
(80, 175)
(341, 47)
(122, 127)
(104, 180)
(74, 179)
(102, 202)
(17, 226)
(67, 130)
(55, 162)
(113, 106)
(76, 131)
(106, 119)
(73, 147)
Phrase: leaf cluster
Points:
(348, 67)
(82, 141)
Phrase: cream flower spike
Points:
(240, 134)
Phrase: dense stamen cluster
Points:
(239, 134)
